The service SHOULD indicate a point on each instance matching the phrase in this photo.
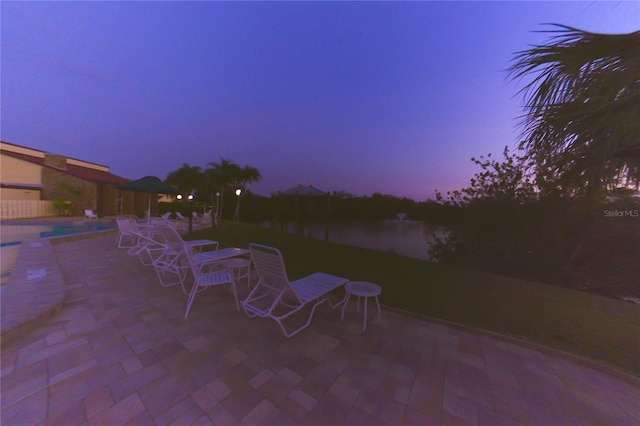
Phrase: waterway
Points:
(409, 238)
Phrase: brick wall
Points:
(81, 193)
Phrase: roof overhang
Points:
(17, 185)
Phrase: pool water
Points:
(15, 232)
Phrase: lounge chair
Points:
(90, 214)
(182, 223)
(125, 238)
(166, 249)
(276, 298)
(204, 279)
(147, 248)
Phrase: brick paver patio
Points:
(120, 352)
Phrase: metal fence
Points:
(22, 209)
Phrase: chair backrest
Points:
(126, 224)
(158, 221)
(180, 216)
(168, 236)
(195, 215)
(166, 215)
(270, 268)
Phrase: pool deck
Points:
(35, 289)
(118, 351)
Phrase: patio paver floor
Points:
(120, 352)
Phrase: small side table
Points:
(240, 268)
(362, 289)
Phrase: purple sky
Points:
(391, 97)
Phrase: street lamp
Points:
(217, 218)
(236, 216)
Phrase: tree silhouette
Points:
(582, 106)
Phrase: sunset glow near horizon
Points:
(362, 97)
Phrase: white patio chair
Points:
(147, 248)
(90, 214)
(125, 238)
(166, 249)
(204, 279)
(276, 298)
(182, 223)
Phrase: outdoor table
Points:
(199, 244)
(362, 289)
(240, 267)
(219, 255)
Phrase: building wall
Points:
(16, 171)
(56, 183)
(19, 194)
(81, 193)
(107, 200)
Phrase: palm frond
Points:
(583, 97)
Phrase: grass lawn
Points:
(584, 324)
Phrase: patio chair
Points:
(275, 297)
(204, 279)
(147, 248)
(182, 223)
(166, 249)
(125, 238)
(90, 214)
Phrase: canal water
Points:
(409, 238)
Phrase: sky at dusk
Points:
(363, 97)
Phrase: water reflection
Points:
(404, 237)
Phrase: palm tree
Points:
(187, 179)
(582, 106)
(221, 177)
(246, 176)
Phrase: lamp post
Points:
(217, 218)
(189, 197)
(236, 216)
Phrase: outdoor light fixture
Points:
(179, 197)
(236, 215)
(217, 219)
(190, 197)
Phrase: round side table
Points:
(240, 268)
(362, 289)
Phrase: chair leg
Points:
(364, 325)
(378, 303)
(344, 304)
(190, 299)
(235, 294)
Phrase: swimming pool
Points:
(14, 232)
